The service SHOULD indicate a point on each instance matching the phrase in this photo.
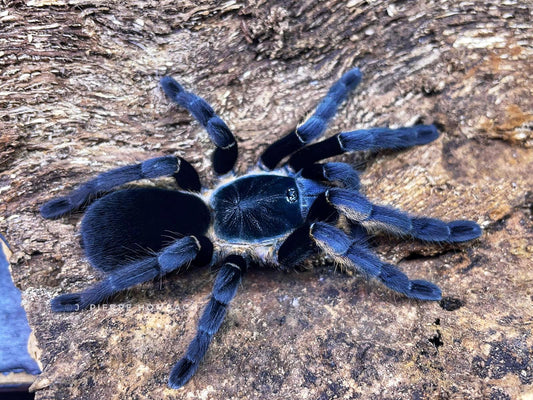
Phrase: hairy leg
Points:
(226, 147)
(224, 290)
(364, 139)
(352, 252)
(358, 208)
(172, 257)
(333, 172)
(177, 167)
(315, 125)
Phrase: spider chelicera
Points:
(274, 216)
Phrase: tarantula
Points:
(273, 216)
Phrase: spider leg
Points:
(224, 290)
(181, 252)
(226, 150)
(357, 207)
(350, 253)
(333, 172)
(177, 167)
(315, 126)
(296, 247)
(364, 139)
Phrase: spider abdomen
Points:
(256, 208)
(139, 221)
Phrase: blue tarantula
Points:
(274, 216)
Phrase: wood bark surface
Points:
(79, 95)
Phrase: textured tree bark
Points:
(79, 95)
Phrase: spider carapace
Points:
(278, 216)
(256, 208)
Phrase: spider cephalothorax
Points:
(275, 216)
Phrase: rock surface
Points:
(79, 95)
